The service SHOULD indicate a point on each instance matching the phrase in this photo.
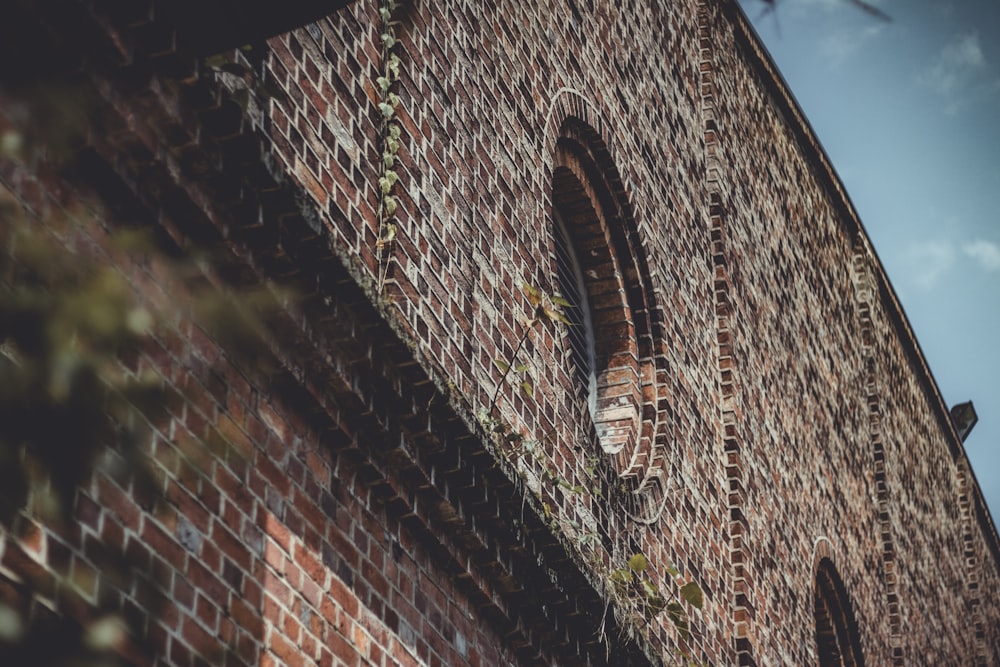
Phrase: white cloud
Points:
(844, 43)
(955, 64)
(986, 253)
(926, 263)
(929, 261)
(961, 74)
(965, 51)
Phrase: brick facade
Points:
(765, 420)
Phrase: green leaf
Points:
(390, 233)
(383, 83)
(621, 576)
(388, 180)
(679, 618)
(559, 301)
(692, 593)
(11, 143)
(501, 364)
(654, 605)
(386, 109)
(268, 90)
(533, 293)
(552, 314)
(528, 390)
(390, 204)
(106, 633)
(673, 571)
(638, 563)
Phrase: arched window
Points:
(837, 639)
(600, 268)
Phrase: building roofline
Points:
(760, 58)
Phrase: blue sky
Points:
(909, 112)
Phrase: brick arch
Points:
(570, 103)
(570, 107)
(823, 549)
(588, 191)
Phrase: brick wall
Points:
(266, 542)
(350, 508)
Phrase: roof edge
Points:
(760, 59)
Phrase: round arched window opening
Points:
(837, 641)
(600, 268)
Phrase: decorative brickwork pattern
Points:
(742, 606)
(864, 284)
(974, 603)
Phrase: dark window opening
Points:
(837, 639)
(580, 331)
(599, 266)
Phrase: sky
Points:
(909, 112)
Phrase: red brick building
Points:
(740, 398)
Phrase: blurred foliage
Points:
(72, 386)
(50, 641)
(78, 398)
(66, 321)
(78, 394)
(46, 120)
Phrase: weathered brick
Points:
(334, 505)
(285, 651)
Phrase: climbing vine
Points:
(547, 308)
(632, 587)
(390, 132)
